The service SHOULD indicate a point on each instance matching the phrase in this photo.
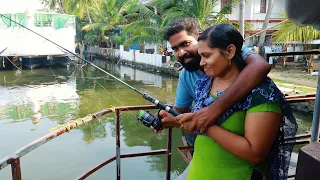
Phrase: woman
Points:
(250, 134)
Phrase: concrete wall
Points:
(132, 55)
(139, 75)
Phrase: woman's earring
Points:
(229, 62)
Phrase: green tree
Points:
(54, 5)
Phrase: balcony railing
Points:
(14, 159)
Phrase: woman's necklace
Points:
(215, 84)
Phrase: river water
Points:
(33, 102)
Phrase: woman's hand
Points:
(198, 121)
(187, 122)
(204, 118)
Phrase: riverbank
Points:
(166, 70)
(291, 81)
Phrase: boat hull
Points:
(63, 61)
(32, 62)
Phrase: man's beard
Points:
(193, 65)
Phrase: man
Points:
(182, 35)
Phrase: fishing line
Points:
(144, 95)
(105, 89)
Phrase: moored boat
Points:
(32, 49)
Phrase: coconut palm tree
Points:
(241, 16)
(147, 26)
(201, 10)
(144, 26)
(265, 23)
(79, 8)
(106, 16)
(53, 4)
(289, 32)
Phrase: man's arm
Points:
(181, 110)
(251, 76)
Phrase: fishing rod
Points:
(143, 116)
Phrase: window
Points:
(225, 4)
(263, 6)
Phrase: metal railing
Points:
(14, 159)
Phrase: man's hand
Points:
(167, 121)
(200, 120)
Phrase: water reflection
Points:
(33, 94)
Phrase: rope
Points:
(112, 108)
(78, 122)
(16, 65)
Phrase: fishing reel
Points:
(149, 120)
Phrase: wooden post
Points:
(308, 162)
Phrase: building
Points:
(255, 13)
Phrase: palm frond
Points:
(144, 12)
(162, 5)
(289, 32)
(135, 26)
(96, 26)
(142, 39)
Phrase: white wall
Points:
(132, 55)
(137, 75)
(135, 55)
(252, 10)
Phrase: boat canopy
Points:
(57, 21)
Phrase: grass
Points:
(297, 88)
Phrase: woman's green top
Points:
(212, 162)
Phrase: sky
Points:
(14, 6)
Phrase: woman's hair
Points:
(221, 36)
